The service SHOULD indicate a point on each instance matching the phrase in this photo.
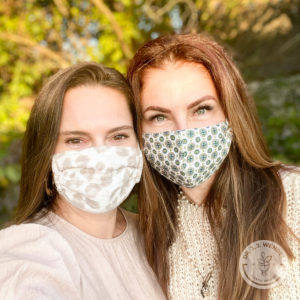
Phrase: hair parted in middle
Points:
(37, 190)
(247, 185)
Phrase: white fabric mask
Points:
(97, 179)
(188, 157)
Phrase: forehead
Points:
(179, 80)
(87, 106)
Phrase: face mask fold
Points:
(97, 179)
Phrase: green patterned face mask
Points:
(190, 156)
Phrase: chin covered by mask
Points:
(188, 157)
(97, 179)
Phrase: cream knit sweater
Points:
(55, 260)
(195, 248)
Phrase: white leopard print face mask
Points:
(188, 157)
(97, 179)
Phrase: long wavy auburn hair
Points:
(37, 191)
(248, 183)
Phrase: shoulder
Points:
(36, 258)
(30, 234)
(289, 173)
(290, 177)
(21, 235)
(288, 288)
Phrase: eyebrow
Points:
(157, 108)
(204, 98)
(120, 128)
(77, 132)
(193, 104)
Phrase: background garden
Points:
(39, 37)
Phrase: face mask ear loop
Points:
(48, 185)
(50, 189)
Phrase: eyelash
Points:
(124, 136)
(206, 107)
(156, 116)
(117, 137)
(70, 141)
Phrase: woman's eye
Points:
(158, 118)
(120, 137)
(202, 110)
(73, 141)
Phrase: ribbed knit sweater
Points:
(195, 249)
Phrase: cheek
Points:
(219, 115)
(60, 146)
(148, 127)
(144, 126)
(133, 142)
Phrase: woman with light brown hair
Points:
(209, 188)
(80, 161)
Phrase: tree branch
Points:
(61, 62)
(115, 26)
(62, 7)
(156, 15)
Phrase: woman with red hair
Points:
(209, 188)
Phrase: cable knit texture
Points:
(192, 255)
(55, 260)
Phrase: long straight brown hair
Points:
(37, 192)
(248, 183)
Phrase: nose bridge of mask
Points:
(95, 164)
(92, 157)
(186, 139)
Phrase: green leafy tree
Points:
(38, 37)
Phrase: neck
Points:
(198, 193)
(102, 225)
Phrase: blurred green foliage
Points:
(38, 37)
(279, 106)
